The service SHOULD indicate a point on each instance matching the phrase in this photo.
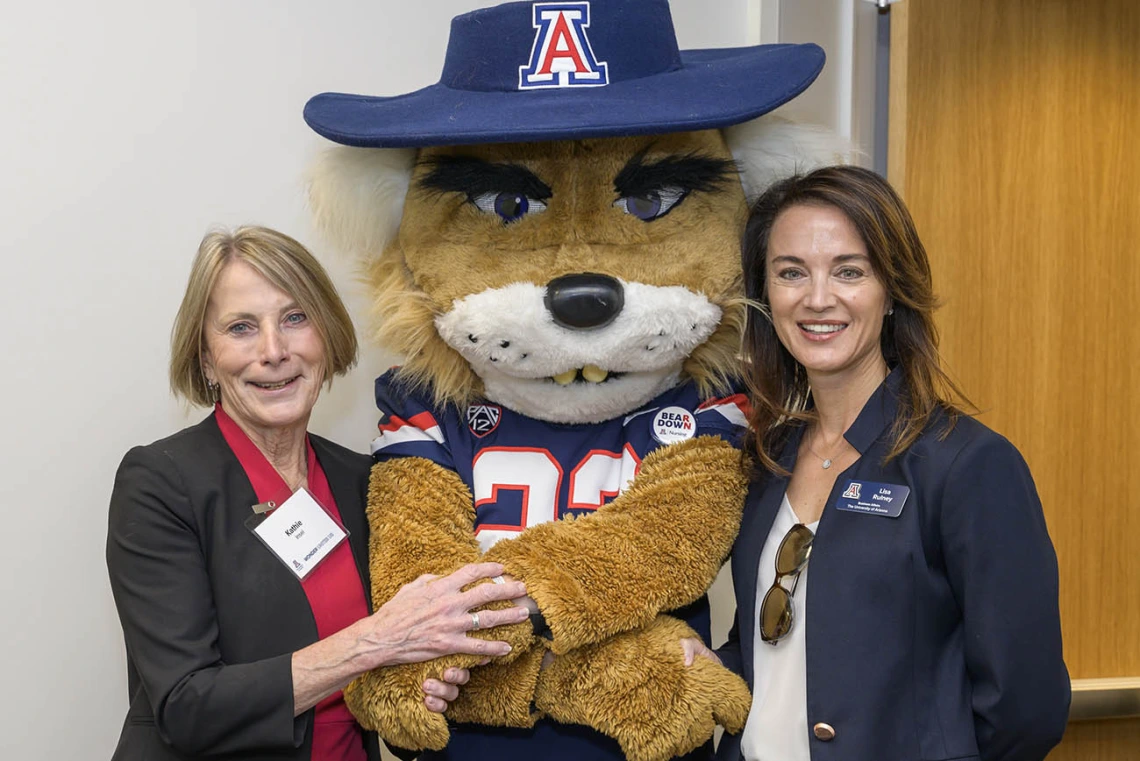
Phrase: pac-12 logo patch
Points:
(674, 424)
(561, 55)
(852, 491)
(483, 418)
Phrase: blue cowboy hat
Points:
(529, 71)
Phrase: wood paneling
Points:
(1015, 139)
(1111, 740)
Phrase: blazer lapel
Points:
(763, 502)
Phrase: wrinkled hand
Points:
(428, 619)
(431, 616)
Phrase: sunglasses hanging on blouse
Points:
(777, 613)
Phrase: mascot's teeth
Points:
(566, 378)
(594, 374)
(591, 373)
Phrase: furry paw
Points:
(636, 688)
(500, 694)
(390, 702)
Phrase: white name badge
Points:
(300, 533)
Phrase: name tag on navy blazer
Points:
(873, 498)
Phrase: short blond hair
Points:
(287, 265)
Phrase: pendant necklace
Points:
(826, 461)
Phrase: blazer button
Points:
(824, 732)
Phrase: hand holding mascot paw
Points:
(427, 627)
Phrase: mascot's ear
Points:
(357, 195)
(772, 147)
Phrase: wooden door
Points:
(1015, 139)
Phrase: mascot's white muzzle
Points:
(546, 351)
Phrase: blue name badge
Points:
(873, 499)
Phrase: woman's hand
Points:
(693, 647)
(525, 601)
(431, 616)
(427, 618)
(438, 694)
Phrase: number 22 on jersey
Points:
(517, 487)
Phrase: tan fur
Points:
(636, 688)
(453, 249)
(357, 194)
(398, 493)
(655, 548)
(714, 363)
(602, 580)
(421, 520)
(403, 316)
(446, 249)
(500, 694)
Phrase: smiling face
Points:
(827, 303)
(263, 351)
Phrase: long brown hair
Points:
(778, 383)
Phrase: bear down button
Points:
(824, 732)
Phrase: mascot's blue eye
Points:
(510, 207)
(652, 205)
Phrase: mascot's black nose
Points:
(584, 301)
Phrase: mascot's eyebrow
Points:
(690, 172)
(464, 174)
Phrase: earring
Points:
(890, 311)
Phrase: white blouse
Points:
(777, 728)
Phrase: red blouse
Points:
(335, 593)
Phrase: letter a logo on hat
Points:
(561, 55)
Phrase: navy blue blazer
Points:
(934, 635)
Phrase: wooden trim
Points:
(896, 104)
(1117, 698)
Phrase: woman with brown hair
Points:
(237, 548)
(930, 629)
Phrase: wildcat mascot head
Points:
(554, 226)
(552, 237)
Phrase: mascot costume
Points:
(552, 243)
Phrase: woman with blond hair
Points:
(237, 548)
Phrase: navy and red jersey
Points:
(523, 471)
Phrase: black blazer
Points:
(934, 635)
(210, 616)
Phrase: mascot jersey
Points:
(522, 472)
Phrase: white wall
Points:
(843, 97)
(129, 127)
